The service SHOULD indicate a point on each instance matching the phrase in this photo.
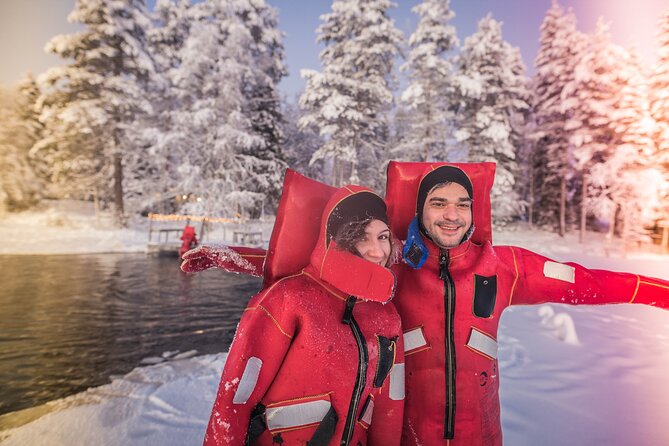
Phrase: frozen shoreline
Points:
(67, 227)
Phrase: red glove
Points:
(236, 259)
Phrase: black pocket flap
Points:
(485, 294)
(386, 358)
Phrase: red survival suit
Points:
(189, 240)
(310, 362)
(450, 309)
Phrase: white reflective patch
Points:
(414, 339)
(249, 380)
(482, 343)
(367, 416)
(397, 382)
(296, 415)
(559, 271)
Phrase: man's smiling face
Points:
(447, 214)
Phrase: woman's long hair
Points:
(352, 232)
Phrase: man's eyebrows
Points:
(445, 200)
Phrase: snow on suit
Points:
(318, 354)
(451, 304)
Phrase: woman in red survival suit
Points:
(318, 354)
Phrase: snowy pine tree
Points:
(430, 88)
(19, 129)
(300, 143)
(213, 137)
(150, 176)
(659, 108)
(100, 93)
(630, 202)
(592, 97)
(251, 108)
(163, 137)
(170, 30)
(347, 101)
(559, 51)
(69, 155)
(493, 100)
(263, 106)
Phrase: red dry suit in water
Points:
(451, 305)
(317, 356)
(189, 241)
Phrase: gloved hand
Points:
(237, 259)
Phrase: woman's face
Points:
(375, 245)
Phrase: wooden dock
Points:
(165, 232)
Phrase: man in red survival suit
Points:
(452, 289)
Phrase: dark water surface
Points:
(69, 322)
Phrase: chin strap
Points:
(415, 252)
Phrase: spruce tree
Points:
(593, 95)
(493, 99)
(163, 136)
(90, 104)
(347, 101)
(659, 107)
(213, 137)
(263, 105)
(20, 188)
(299, 144)
(430, 91)
(628, 202)
(553, 171)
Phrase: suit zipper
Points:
(449, 309)
(361, 376)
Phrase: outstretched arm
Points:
(540, 280)
(235, 259)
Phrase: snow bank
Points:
(68, 227)
(163, 404)
(607, 389)
(597, 251)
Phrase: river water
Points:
(70, 322)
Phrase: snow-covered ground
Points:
(570, 375)
(68, 227)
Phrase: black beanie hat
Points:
(360, 206)
(443, 174)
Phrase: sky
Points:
(26, 26)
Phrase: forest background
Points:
(174, 107)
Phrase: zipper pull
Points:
(443, 264)
(348, 313)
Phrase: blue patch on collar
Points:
(415, 252)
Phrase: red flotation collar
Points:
(299, 240)
(402, 186)
(297, 226)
